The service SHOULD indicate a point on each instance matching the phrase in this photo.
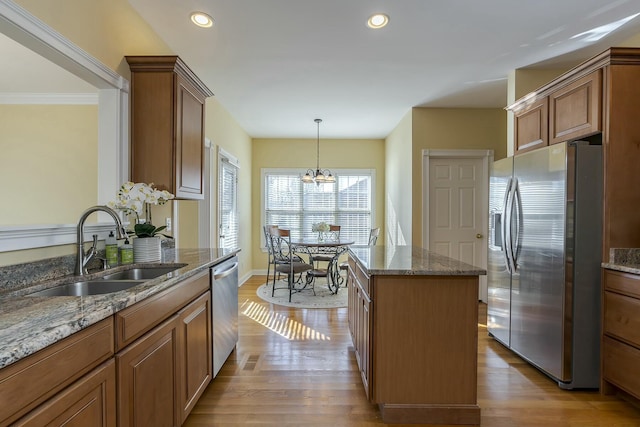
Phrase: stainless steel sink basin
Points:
(92, 287)
(140, 273)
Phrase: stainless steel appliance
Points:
(224, 310)
(545, 247)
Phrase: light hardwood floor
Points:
(296, 367)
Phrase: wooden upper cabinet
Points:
(575, 109)
(167, 125)
(531, 126)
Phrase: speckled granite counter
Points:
(29, 323)
(408, 260)
(626, 260)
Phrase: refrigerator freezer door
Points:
(537, 297)
(498, 274)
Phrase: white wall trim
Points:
(113, 126)
(31, 236)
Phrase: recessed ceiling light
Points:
(378, 20)
(201, 19)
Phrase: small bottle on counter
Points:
(126, 253)
(111, 250)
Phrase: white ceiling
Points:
(276, 65)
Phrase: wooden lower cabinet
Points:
(163, 373)
(415, 339)
(45, 376)
(621, 333)
(90, 401)
(359, 322)
(148, 378)
(196, 352)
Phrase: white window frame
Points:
(293, 171)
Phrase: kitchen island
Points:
(413, 317)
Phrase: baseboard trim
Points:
(430, 414)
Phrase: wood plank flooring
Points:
(296, 367)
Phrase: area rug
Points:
(304, 299)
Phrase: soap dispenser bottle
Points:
(126, 252)
(111, 250)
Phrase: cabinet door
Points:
(364, 335)
(90, 401)
(531, 126)
(352, 287)
(148, 379)
(189, 141)
(196, 348)
(574, 110)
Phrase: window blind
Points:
(228, 205)
(291, 204)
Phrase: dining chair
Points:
(332, 234)
(287, 261)
(271, 259)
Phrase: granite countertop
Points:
(31, 323)
(410, 260)
(626, 260)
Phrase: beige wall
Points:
(48, 166)
(225, 132)
(108, 30)
(301, 154)
(445, 128)
(398, 183)
(113, 30)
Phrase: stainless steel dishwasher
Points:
(224, 310)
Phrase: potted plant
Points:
(137, 198)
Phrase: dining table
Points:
(332, 247)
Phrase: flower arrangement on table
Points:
(320, 228)
(137, 198)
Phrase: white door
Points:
(457, 205)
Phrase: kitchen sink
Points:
(91, 287)
(140, 273)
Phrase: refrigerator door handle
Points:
(505, 229)
(517, 242)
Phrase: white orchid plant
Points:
(136, 198)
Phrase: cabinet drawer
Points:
(32, 380)
(621, 365)
(134, 321)
(363, 280)
(625, 283)
(622, 317)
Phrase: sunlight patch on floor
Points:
(282, 325)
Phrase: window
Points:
(289, 203)
(228, 201)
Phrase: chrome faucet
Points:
(81, 258)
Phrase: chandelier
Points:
(319, 176)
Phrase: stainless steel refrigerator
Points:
(545, 247)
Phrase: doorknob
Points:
(478, 236)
